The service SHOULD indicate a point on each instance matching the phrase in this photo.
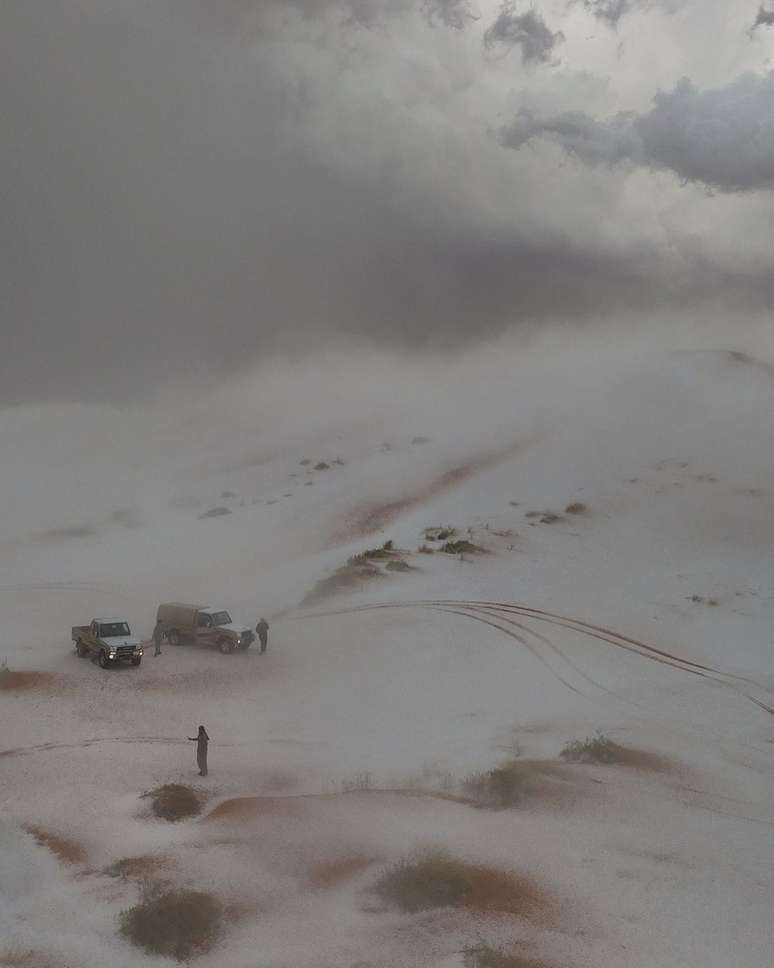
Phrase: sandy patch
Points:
(330, 874)
(248, 808)
(375, 517)
(65, 850)
(26, 681)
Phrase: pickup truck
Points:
(203, 625)
(110, 639)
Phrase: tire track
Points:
(502, 611)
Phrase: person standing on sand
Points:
(158, 634)
(201, 749)
(262, 628)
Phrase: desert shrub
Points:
(594, 749)
(398, 564)
(174, 923)
(435, 879)
(484, 956)
(361, 781)
(140, 868)
(351, 575)
(214, 513)
(173, 801)
(499, 788)
(577, 507)
(322, 466)
(419, 440)
(432, 880)
(443, 533)
(425, 550)
(462, 547)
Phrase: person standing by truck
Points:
(262, 628)
(158, 635)
(202, 740)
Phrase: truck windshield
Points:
(109, 629)
(221, 618)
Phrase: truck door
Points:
(204, 628)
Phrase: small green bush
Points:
(176, 924)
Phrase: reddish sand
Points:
(68, 851)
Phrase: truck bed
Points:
(79, 632)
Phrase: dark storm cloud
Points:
(190, 186)
(526, 30)
(722, 138)
(765, 16)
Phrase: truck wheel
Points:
(173, 637)
(137, 661)
(81, 649)
(226, 646)
(104, 662)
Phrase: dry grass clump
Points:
(356, 572)
(174, 923)
(68, 851)
(425, 549)
(545, 517)
(484, 956)
(173, 801)
(360, 568)
(215, 513)
(463, 547)
(600, 749)
(516, 781)
(141, 868)
(441, 533)
(436, 879)
(577, 507)
(398, 564)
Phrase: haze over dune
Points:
(437, 333)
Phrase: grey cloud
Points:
(765, 16)
(190, 186)
(610, 11)
(722, 138)
(525, 30)
(449, 13)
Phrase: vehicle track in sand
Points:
(491, 613)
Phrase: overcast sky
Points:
(190, 185)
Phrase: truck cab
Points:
(110, 639)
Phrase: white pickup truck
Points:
(110, 639)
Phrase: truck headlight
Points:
(111, 654)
